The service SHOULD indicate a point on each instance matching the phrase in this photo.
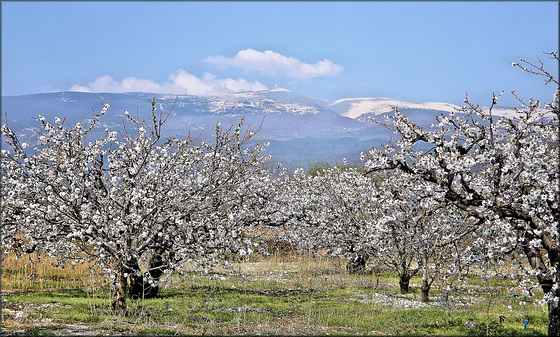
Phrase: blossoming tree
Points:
(503, 172)
(328, 212)
(136, 205)
(388, 218)
(413, 234)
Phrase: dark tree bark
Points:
(536, 260)
(554, 318)
(119, 296)
(404, 280)
(425, 290)
(140, 288)
(357, 264)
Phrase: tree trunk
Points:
(140, 288)
(425, 291)
(554, 317)
(553, 320)
(537, 262)
(357, 264)
(403, 283)
(119, 296)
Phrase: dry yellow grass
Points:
(36, 271)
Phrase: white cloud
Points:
(272, 63)
(180, 82)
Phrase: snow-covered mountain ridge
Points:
(358, 107)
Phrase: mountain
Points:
(300, 129)
(364, 108)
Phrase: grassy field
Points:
(278, 295)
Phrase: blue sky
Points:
(415, 51)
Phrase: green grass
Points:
(37, 332)
(337, 302)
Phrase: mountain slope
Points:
(300, 129)
(363, 108)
